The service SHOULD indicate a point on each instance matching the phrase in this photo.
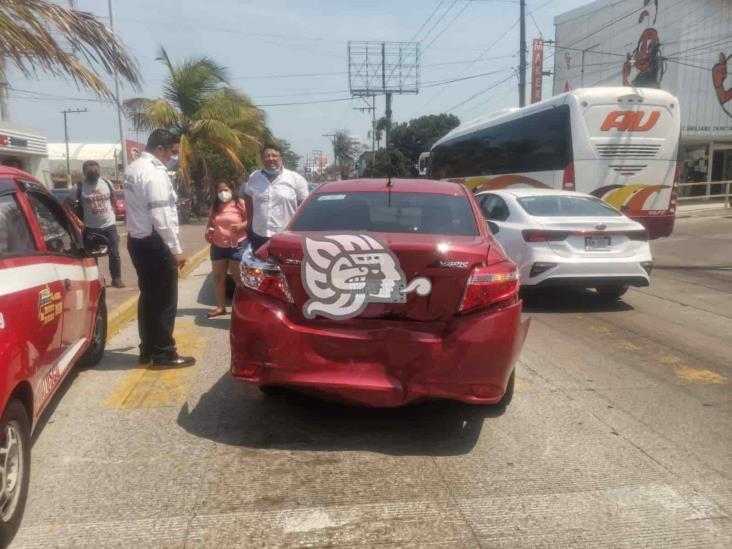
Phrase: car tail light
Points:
(489, 285)
(534, 235)
(568, 178)
(264, 277)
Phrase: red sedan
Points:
(52, 316)
(381, 293)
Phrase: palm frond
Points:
(186, 155)
(190, 82)
(27, 42)
(148, 114)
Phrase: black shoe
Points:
(174, 361)
(144, 359)
(117, 283)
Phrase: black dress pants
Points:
(157, 277)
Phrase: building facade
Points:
(681, 46)
(25, 148)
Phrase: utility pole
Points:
(387, 111)
(332, 137)
(4, 107)
(66, 138)
(522, 56)
(123, 152)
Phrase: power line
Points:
(481, 92)
(427, 20)
(458, 14)
(437, 21)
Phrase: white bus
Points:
(619, 144)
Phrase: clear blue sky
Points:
(295, 37)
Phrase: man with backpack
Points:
(95, 206)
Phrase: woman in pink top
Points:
(227, 233)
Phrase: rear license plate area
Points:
(597, 243)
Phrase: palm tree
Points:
(207, 113)
(345, 151)
(27, 40)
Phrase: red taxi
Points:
(52, 315)
(381, 293)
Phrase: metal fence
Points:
(724, 197)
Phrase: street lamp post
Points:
(66, 138)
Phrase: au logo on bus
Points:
(630, 121)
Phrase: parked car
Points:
(441, 317)
(52, 316)
(562, 238)
(120, 209)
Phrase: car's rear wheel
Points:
(611, 292)
(14, 468)
(95, 352)
(508, 395)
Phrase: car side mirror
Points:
(493, 227)
(95, 245)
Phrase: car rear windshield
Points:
(388, 212)
(570, 206)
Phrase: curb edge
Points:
(127, 310)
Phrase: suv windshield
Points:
(399, 213)
(570, 206)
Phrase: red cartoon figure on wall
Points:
(719, 75)
(645, 66)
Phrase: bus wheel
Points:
(14, 468)
(611, 293)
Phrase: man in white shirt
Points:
(272, 195)
(152, 227)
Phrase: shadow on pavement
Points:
(199, 317)
(240, 415)
(570, 301)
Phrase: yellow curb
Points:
(124, 313)
(193, 262)
(127, 310)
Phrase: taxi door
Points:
(64, 252)
(30, 291)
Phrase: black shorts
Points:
(232, 254)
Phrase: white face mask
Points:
(224, 196)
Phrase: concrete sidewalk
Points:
(701, 208)
(122, 302)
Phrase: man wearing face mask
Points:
(272, 196)
(95, 206)
(152, 226)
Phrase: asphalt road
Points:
(618, 436)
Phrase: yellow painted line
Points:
(522, 386)
(193, 262)
(121, 315)
(602, 330)
(149, 386)
(694, 375)
(127, 310)
(626, 345)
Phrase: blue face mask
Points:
(272, 172)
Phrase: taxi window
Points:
(15, 235)
(53, 224)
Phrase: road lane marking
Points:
(627, 345)
(602, 330)
(150, 386)
(692, 375)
